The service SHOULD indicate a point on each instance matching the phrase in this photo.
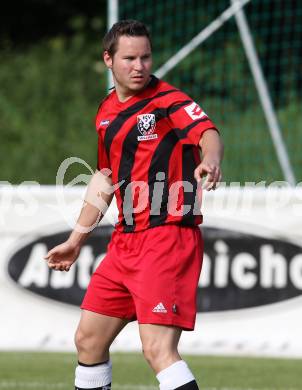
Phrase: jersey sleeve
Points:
(188, 119)
(102, 158)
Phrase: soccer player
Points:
(150, 135)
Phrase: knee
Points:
(82, 340)
(151, 350)
(87, 342)
(159, 355)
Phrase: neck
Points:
(124, 94)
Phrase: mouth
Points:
(137, 78)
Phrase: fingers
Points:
(54, 256)
(58, 266)
(200, 171)
(50, 254)
(213, 176)
(212, 180)
(60, 258)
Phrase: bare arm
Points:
(98, 197)
(212, 154)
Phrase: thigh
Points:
(100, 327)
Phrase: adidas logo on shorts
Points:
(160, 308)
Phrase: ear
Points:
(107, 59)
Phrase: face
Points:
(131, 65)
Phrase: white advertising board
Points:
(250, 295)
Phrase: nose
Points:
(138, 64)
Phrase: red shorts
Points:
(151, 276)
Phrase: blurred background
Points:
(52, 79)
(241, 60)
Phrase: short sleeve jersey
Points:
(150, 144)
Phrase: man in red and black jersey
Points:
(149, 139)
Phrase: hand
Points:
(62, 256)
(211, 169)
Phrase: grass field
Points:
(42, 371)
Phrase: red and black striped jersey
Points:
(150, 143)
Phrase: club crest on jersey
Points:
(146, 124)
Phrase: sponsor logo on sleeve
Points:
(194, 111)
(104, 122)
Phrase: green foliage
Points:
(48, 100)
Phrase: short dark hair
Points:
(129, 27)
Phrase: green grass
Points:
(42, 371)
